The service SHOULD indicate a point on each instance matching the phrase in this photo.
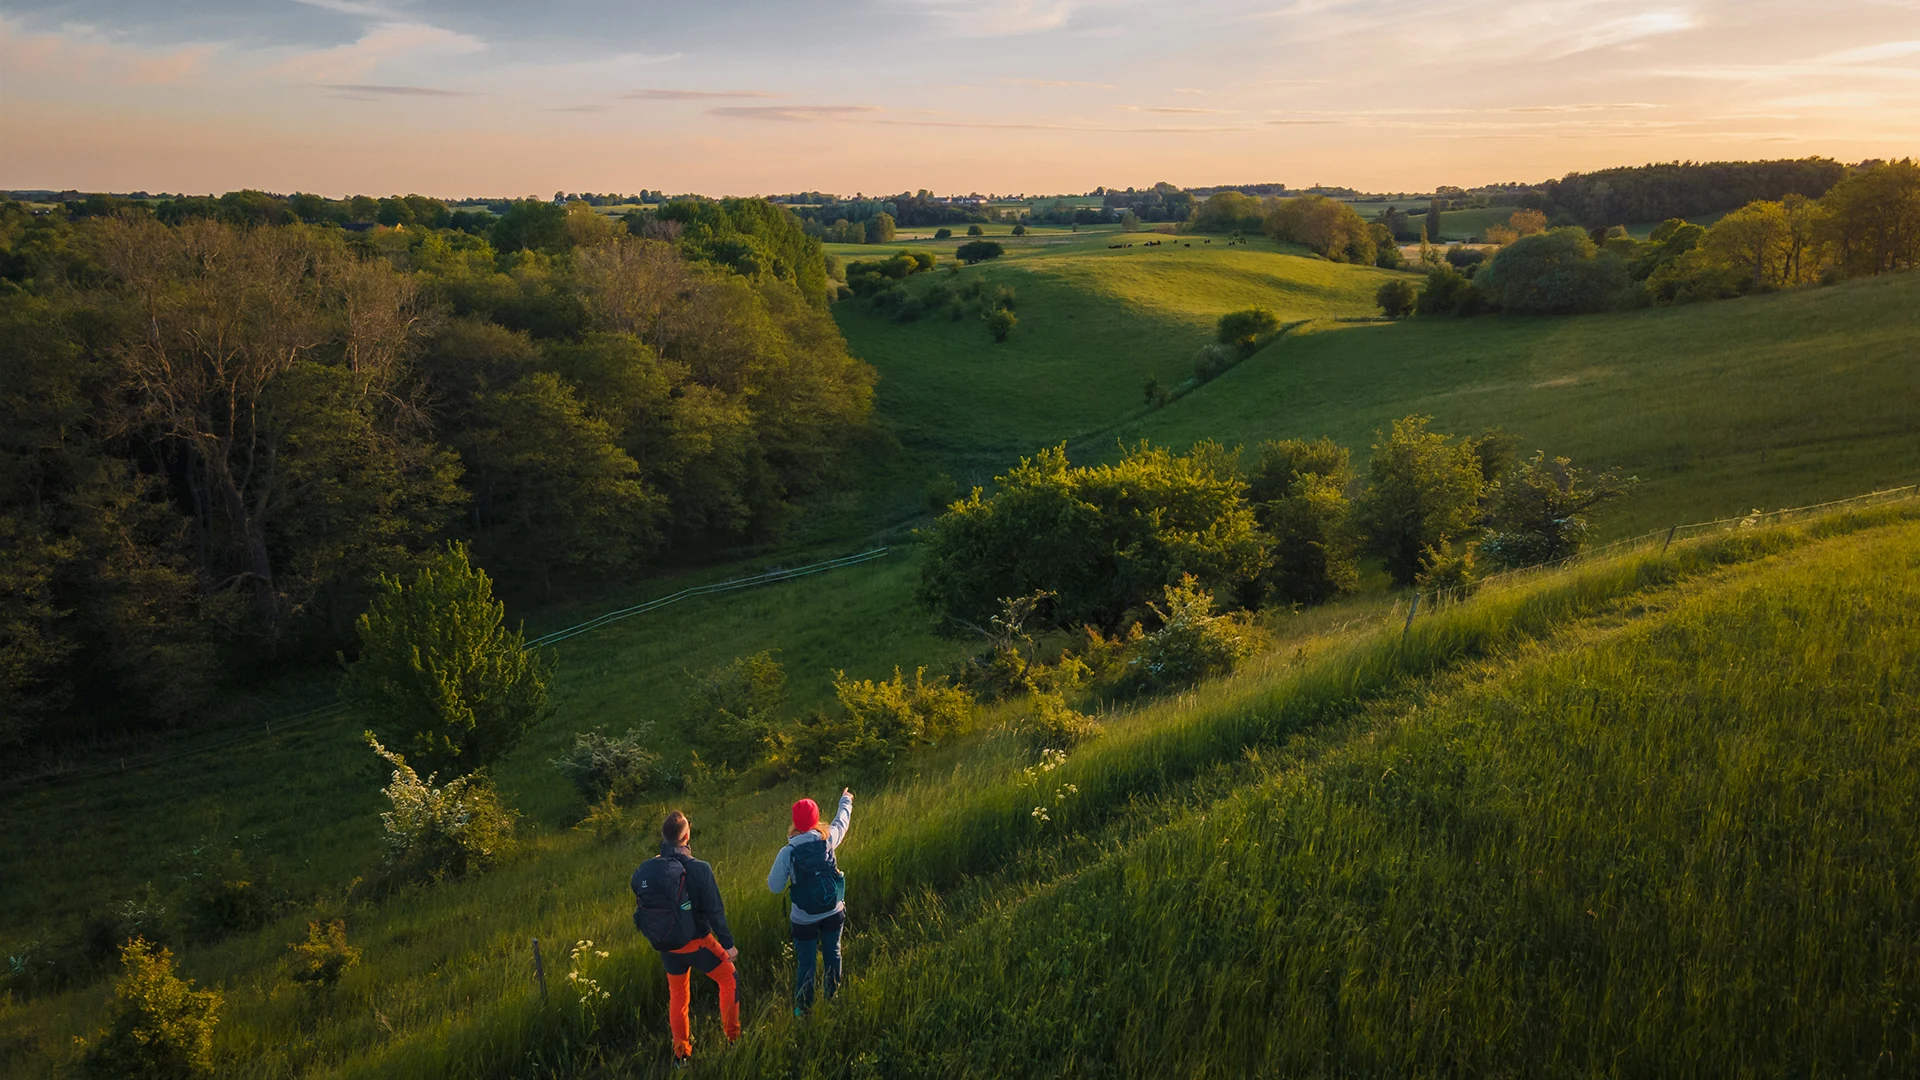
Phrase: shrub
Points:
(942, 234)
(445, 831)
(735, 718)
(1100, 539)
(1155, 392)
(1000, 323)
(1211, 360)
(320, 960)
(1051, 722)
(941, 491)
(1192, 643)
(1465, 258)
(1553, 273)
(439, 674)
(1004, 297)
(600, 765)
(1313, 557)
(974, 251)
(1538, 512)
(1019, 230)
(880, 721)
(1445, 294)
(1396, 298)
(1247, 330)
(159, 1026)
(1447, 570)
(1423, 490)
(975, 230)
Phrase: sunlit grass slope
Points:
(1766, 401)
(446, 988)
(1677, 841)
(1095, 324)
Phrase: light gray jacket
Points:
(782, 871)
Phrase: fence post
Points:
(1412, 610)
(1669, 543)
(539, 971)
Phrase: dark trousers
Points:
(826, 934)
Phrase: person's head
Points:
(675, 830)
(806, 816)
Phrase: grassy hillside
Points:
(1766, 401)
(1677, 840)
(1095, 324)
(445, 988)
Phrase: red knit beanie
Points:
(806, 815)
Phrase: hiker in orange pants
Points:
(677, 907)
(703, 955)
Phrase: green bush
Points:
(1539, 510)
(1423, 490)
(439, 674)
(974, 251)
(449, 830)
(1396, 298)
(600, 765)
(879, 722)
(1019, 230)
(1559, 272)
(1192, 643)
(1211, 360)
(735, 719)
(942, 234)
(1247, 330)
(1100, 540)
(159, 1026)
(1447, 292)
(1000, 323)
(320, 960)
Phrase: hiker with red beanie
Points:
(817, 898)
(677, 906)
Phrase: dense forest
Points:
(220, 422)
(1679, 189)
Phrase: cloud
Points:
(995, 18)
(1187, 90)
(351, 7)
(80, 54)
(1171, 109)
(695, 95)
(1625, 30)
(1060, 83)
(397, 91)
(804, 114)
(381, 43)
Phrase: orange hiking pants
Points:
(706, 955)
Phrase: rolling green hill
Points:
(1765, 401)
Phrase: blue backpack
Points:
(818, 885)
(662, 910)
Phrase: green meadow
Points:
(1652, 812)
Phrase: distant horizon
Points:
(339, 97)
(1397, 193)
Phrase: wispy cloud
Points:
(995, 18)
(82, 54)
(1175, 109)
(1060, 84)
(397, 91)
(800, 114)
(695, 95)
(381, 43)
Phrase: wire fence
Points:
(285, 725)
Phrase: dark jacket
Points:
(709, 914)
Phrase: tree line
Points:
(1866, 223)
(216, 436)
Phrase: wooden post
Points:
(1412, 610)
(539, 971)
(1669, 543)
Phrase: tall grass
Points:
(447, 988)
(1681, 845)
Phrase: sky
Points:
(509, 97)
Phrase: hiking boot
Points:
(682, 1062)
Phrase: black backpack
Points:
(818, 884)
(662, 912)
